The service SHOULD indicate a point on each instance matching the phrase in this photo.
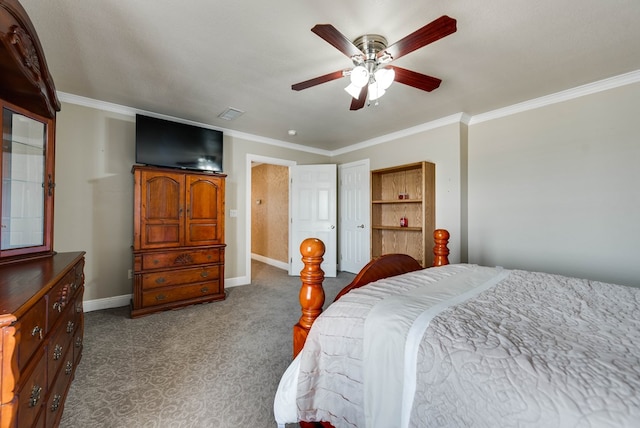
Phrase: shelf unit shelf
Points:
(415, 182)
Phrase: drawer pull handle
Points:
(204, 274)
(37, 331)
(68, 368)
(35, 396)
(57, 352)
(160, 280)
(204, 289)
(70, 326)
(56, 402)
(160, 297)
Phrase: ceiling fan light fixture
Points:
(375, 92)
(384, 77)
(359, 76)
(353, 90)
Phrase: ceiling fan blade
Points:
(362, 98)
(318, 80)
(335, 38)
(415, 79)
(430, 33)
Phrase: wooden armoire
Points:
(178, 242)
(41, 310)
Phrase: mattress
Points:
(464, 345)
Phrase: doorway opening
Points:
(267, 214)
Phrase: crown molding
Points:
(558, 97)
(448, 120)
(463, 118)
(130, 111)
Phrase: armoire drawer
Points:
(179, 277)
(185, 292)
(173, 259)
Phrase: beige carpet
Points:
(211, 365)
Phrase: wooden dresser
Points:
(42, 326)
(41, 314)
(178, 245)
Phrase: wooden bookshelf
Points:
(403, 191)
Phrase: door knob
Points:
(361, 226)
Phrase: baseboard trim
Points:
(272, 262)
(107, 303)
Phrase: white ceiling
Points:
(192, 59)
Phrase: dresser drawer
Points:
(60, 345)
(179, 277)
(173, 294)
(174, 259)
(32, 332)
(32, 393)
(58, 391)
(60, 297)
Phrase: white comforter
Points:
(523, 349)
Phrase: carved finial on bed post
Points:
(311, 291)
(441, 251)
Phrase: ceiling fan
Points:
(371, 74)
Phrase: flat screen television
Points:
(171, 144)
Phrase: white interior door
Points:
(313, 213)
(355, 219)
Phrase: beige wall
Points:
(270, 211)
(557, 188)
(94, 195)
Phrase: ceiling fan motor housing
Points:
(370, 45)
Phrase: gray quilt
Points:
(533, 350)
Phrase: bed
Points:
(461, 345)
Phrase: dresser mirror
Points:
(27, 185)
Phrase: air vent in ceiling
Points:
(230, 114)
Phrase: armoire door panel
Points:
(162, 234)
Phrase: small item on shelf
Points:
(404, 222)
(403, 196)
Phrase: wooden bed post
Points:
(440, 250)
(311, 292)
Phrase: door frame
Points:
(262, 159)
